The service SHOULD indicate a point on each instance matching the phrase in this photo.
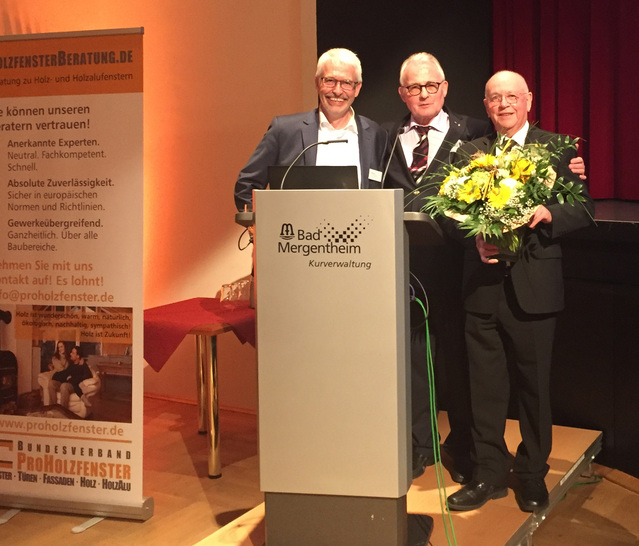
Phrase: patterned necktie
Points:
(420, 152)
(505, 143)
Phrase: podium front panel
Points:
(331, 282)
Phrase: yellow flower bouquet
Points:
(496, 193)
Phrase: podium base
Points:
(319, 520)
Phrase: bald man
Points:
(514, 306)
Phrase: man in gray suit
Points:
(338, 81)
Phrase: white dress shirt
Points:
(519, 137)
(440, 125)
(342, 153)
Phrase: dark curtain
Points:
(581, 61)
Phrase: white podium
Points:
(334, 417)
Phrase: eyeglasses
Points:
(511, 99)
(416, 88)
(347, 85)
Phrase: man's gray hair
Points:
(421, 58)
(341, 56)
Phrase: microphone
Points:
(400, 131)
(302, 153)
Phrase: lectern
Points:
(333, 378)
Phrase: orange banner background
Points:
(68, 66)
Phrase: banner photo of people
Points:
(71, 309)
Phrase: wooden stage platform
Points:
(499, 522)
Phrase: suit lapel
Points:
(456, 131)
(399, 159)
(310, 127)
(535, 134)
(487, 143)
(365, 149)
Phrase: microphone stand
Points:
(304, 151)
(247, 218)
(400, 131)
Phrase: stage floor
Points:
(499, 522)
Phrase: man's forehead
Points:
(507, 85)
(333, 68)
(421, 71)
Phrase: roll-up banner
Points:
(71, 307)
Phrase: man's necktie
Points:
(505, 143)
(420, 152)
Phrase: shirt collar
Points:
(351, 126)
(439, 122)
(520, 136)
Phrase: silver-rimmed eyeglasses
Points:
(347, 85)
(511, 99)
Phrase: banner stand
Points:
(142, 511)
(71, 273)
(8, 515)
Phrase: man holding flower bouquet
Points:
(516, 189)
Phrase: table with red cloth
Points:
(167, 325)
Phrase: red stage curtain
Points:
(581, 61)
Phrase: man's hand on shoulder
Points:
(577, 166)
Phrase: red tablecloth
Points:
(167, 325)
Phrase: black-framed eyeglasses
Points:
(511, 99)
(416, 88)
(347, 85)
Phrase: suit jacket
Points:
(438, 267)
(288, 135)
(537, 276)
(461, 128)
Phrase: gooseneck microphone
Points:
(400, 132)
(302, 153)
